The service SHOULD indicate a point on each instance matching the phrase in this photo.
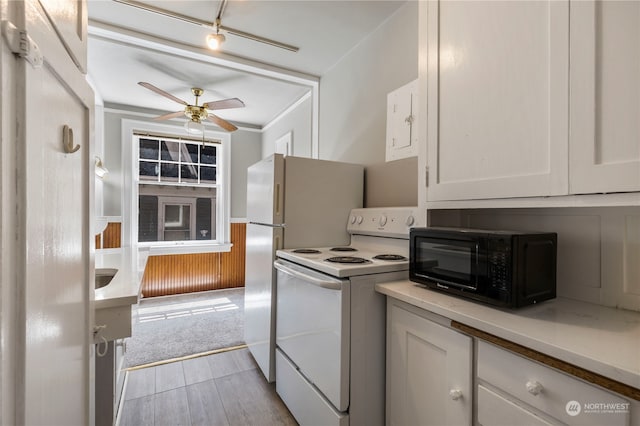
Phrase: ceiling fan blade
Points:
(224, 104)
(169, 115)
(222, 123)
(162, 92)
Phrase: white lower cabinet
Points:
(493, 409)
(429, 370)
(109, 382)
(430, 381)
(511, 387)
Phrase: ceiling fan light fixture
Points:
(194, 127)
(214, 41)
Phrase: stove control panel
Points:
(383, 221)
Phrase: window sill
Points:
(156, 249)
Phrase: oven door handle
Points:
(327, 283)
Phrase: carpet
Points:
(176, 326)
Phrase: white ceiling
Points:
(128, 45)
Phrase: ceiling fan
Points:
(196, 113)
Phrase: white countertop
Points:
(597, 338)
(125, 286)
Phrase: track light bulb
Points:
(215, 40)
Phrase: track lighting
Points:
(215, 40)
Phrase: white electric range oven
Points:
(330, 322)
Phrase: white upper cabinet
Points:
(497, 99)
(69, 19)
(402, 122)
(605, 97)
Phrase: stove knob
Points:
(359, 220)
(383, 220)
(410, 221)
(353, 220)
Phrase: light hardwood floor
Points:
(220, 389)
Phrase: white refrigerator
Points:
(292, 202)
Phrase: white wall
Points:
(298, 122)
(245, 150)
(353, 94)
(598, 248)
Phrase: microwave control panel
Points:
(499, 267)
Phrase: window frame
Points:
(164, 201)
(131, 181)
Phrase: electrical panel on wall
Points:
(402, 122)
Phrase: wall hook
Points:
(67, 140)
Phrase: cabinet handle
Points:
(455, 394)
(534, 388)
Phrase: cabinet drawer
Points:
(548, 390)
(495, 410)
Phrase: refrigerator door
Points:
(265, 191)
(319, 195)
(260, 295)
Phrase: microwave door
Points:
(449, 263)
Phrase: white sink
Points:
(101, 224)
(117, 285)
(104, 276)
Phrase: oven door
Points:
(448, 262)
(312, 328)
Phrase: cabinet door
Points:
(402, 116)
(497, 93)
(605, 96)
(428, 371)
(69, 19)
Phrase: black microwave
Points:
(502, 268)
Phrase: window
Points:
(178, 188)
(177, 161)
(200, 181)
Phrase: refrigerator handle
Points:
(276, 243)
(277, 199)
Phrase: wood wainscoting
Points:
(185, 273)
(111, 237)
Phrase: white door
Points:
(605, 97)
(69, 17)
(428, 371)
(54, 264)
(497, 75)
